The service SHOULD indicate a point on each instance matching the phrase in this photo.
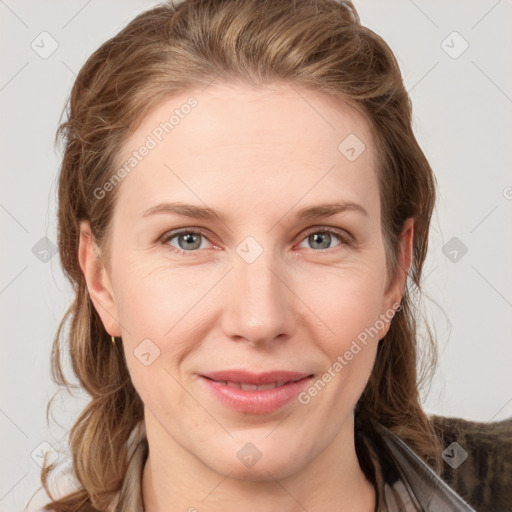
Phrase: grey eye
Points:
(321, 239)
(189, 241)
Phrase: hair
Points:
(319, 45)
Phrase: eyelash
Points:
(344, 237)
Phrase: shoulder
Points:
(500, 431)
(477, 460)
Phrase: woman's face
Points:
(261, 286)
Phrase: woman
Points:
(244, 214)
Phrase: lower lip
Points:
(256, 402)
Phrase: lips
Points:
(252, 393)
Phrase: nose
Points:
(259, 305)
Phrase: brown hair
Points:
(169, 49)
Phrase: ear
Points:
(97, 279)
(396, 284)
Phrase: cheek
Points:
(163, 319)
(351, 310)
(153, 300)
(346, 302)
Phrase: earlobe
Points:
(97, 280)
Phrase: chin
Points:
(248, 463)
(260, 472)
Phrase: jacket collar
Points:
(404, 482)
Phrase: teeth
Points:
(253, 387)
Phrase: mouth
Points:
(252, 393)
(251, 387)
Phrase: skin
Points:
(256, 156)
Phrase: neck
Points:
(175, 479)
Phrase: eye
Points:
(187, 240)
(321, 238)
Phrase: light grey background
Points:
(462, 118)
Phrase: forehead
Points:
(249, 143)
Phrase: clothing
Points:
(404, 483)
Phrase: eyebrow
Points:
(206, 213)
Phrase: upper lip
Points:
(257, 379)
